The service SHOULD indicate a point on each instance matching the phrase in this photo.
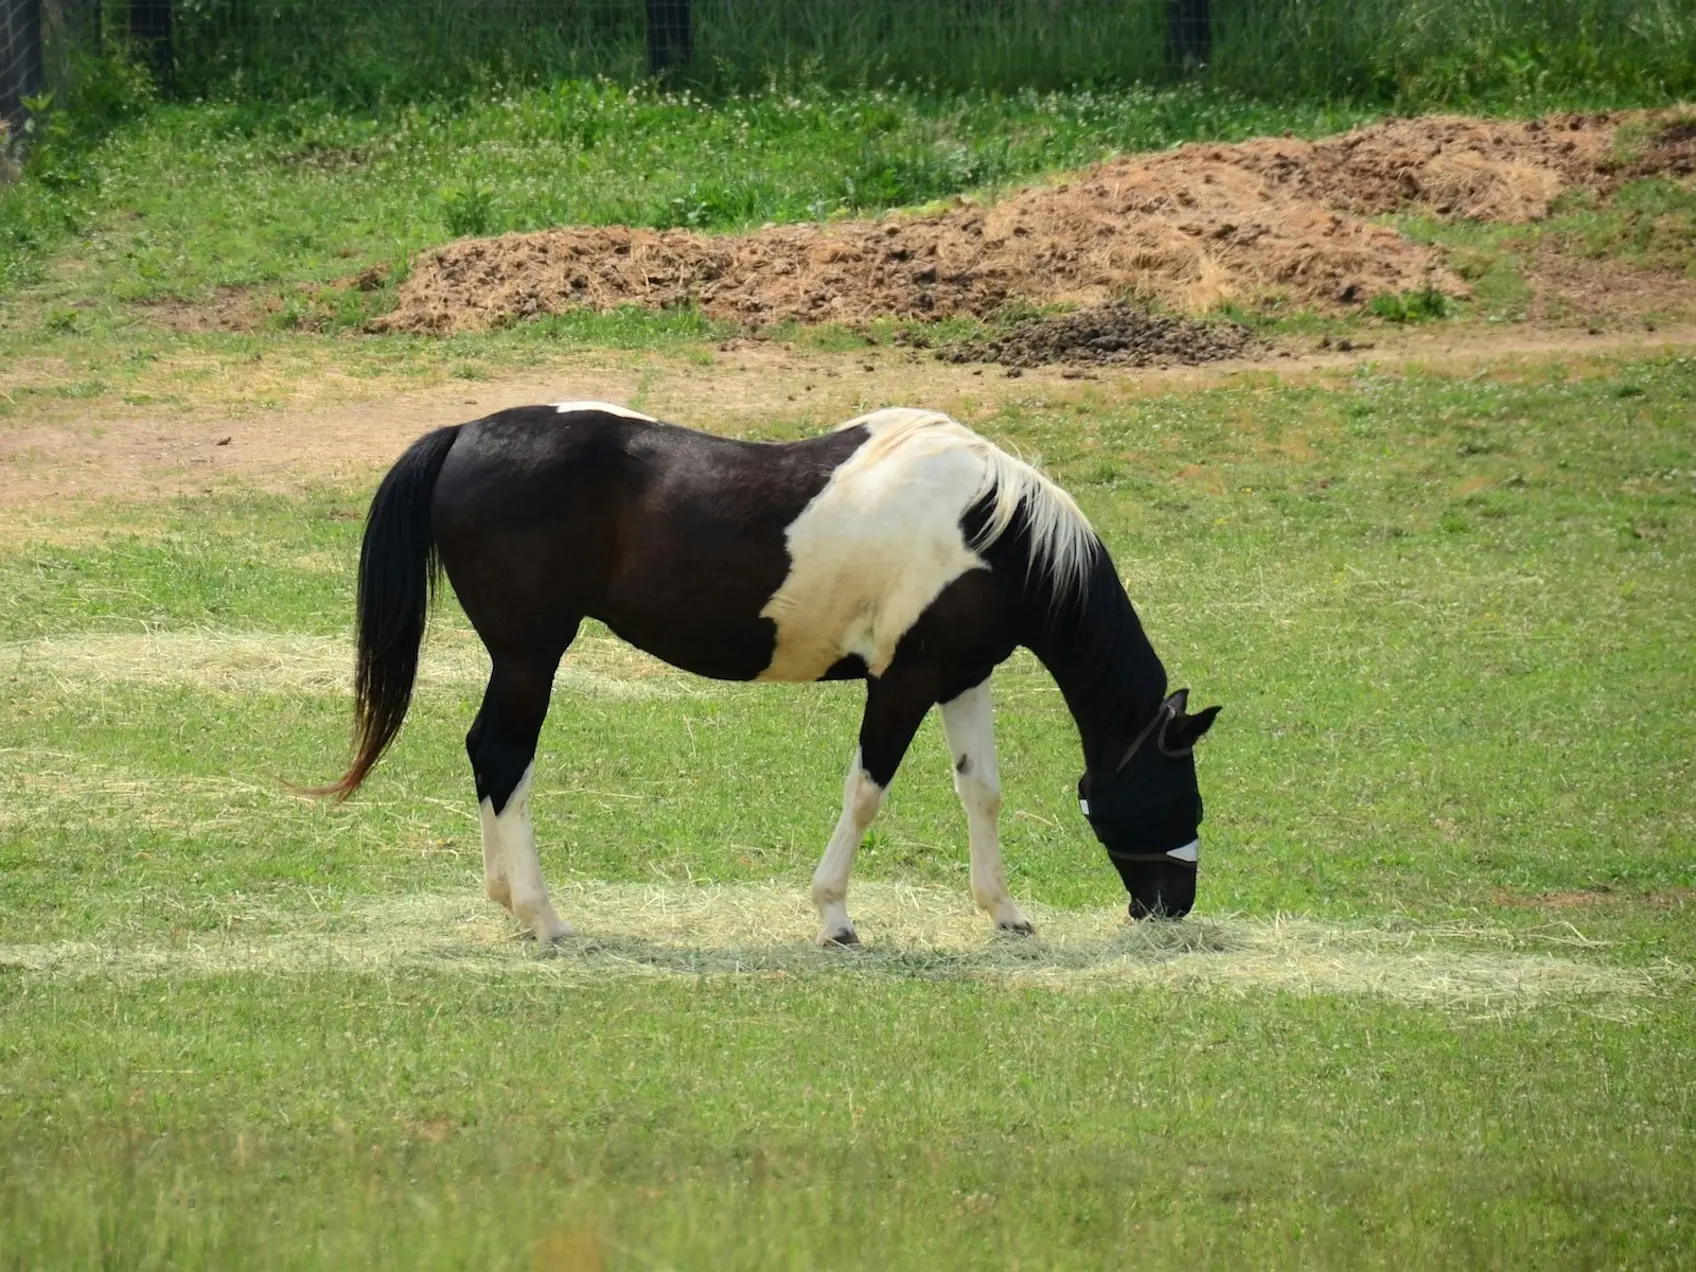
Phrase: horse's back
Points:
(673, 537)
(741, 560)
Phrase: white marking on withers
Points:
(968, 722)
(877, 545)
(527, 895)
(1190, 852)
(607, 408)
(861, 800)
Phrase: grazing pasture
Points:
(1433, 1007)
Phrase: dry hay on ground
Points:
(1114, 334)
(921, 933)
(279, 662)
(1189, 229)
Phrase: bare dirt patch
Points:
(1189, 229)
(226, 309)
(57, 465)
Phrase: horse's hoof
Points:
(1024, 927)
(553, 933)
(843, 939)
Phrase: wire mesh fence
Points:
(363, 51)
(21, 73)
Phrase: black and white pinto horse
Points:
(901, 549)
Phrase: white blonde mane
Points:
(1061, 537)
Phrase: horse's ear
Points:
(1184, 731)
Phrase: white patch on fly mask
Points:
(1189, 852)
(878, 544)
(606, 408)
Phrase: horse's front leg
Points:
(969, 725)
(894, 709)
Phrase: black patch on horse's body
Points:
(851, 667)
(672, 538)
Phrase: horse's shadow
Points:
(995, 956)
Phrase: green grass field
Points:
(1433, 1009)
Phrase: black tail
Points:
(398, 574)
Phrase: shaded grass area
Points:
(338, 1120)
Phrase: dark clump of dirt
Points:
(1667, 151)
(1115, 334)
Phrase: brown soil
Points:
(230, 308)
(1114, 334)
(1191, 228)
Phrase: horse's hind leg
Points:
(502, 745)
(968, 723)
(495, 886)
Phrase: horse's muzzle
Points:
(1161, 889)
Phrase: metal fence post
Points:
(1189, 35)
(150, 28)
(671, 38)
(20, 58)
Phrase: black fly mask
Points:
(1147, 812)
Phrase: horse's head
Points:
(1147, 812)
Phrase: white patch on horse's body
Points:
(861, 800)
(515, 846)
(607, 408)
(878, 544)
(968, 722)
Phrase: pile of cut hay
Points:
(924, 933)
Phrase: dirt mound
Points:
(1115, 334)
(1189, 228)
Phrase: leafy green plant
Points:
(467, 209)
(1417, 306)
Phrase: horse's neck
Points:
(1107, 670)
